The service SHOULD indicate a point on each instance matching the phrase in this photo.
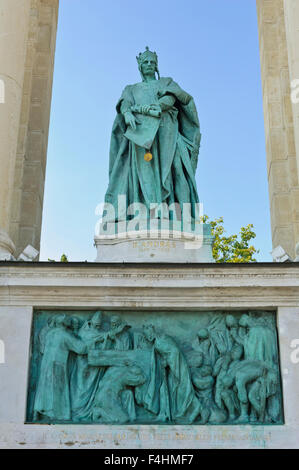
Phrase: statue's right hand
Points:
(130, 120)
(146, 109)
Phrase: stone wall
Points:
(27, 287)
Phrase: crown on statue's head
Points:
(144, 55)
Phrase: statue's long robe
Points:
(260, 344)
(178, 393)
(84, 381)
(170, 176)
(53, 393)
(123, 342)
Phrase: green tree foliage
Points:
(226, 249)
(233, 248)
(63, 259)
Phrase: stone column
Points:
(280, 130)
(14, 21)
(291, 13)
(30, 166)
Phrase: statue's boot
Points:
(205, 414)
(243, 418)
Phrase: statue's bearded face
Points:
(244, 321)
(149, 65)
(115, 323)
(96, 324)
(149, 333)
(75, 323)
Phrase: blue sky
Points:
(210, 47)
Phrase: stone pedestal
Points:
(155, 246)
(26, 288)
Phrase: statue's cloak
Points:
(52, 399)
(173, 140)
(170, 392)
(84, 379)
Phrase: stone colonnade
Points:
(27, 48)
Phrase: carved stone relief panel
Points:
(154, 367)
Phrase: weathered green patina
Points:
(155, 367)
(155, 143)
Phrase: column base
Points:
(7, 248)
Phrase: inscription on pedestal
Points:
(155, 245)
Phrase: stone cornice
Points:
(207, 286)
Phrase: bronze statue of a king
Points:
(155, 143)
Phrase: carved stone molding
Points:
(215, 286)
